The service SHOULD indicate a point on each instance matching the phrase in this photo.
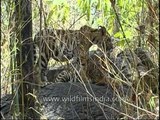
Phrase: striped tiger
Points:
(59, 75)
(63, 45)
(65, 73)
(70, 73)
(58, 44)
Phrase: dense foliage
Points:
(132, 23)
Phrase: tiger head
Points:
(98, 36)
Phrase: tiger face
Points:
(90, 36)
(98, 36)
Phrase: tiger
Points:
(103, 40)
(58, 44)
(98, 67)
(59, 75)
(97, 70)
(65, 74)
(63, 45)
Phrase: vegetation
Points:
(133, 24)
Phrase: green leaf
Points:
(118, 35)
(152, 103)
(99, 4)
(59, 2)
(128, 34)
(121, 43)
(50, 16)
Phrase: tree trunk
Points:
(24, 58)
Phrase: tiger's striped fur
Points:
(63, 45)
(58, 44)
(66, 73)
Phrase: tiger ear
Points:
(102, 30)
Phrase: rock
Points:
(73, 101)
